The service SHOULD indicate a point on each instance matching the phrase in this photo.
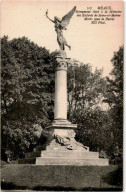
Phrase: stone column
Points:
(60, 105)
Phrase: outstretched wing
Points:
(67, 17)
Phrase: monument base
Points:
(62, 149)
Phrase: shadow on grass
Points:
(69, 189)
(11, 186)
(54, 188)
(114, 178)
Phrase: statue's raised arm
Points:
(48, 16)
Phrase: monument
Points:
(61, 148)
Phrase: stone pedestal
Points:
(61, 148)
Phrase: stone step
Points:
(78, 162)
(63, 154)
(27, 161)
(51, 148)
(54, 147)
(33, 154)
(60, 161)
(70, 154)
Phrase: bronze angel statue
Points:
(60, 25)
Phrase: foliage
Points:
(27, 92)
(114, 97)
(86, 91)
(99, 126)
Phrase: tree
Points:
(114, 98)
(98, 128)
(86, 91)
(93, 129)
(27, 92)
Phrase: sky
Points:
(90, 43)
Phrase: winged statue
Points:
(60, 25)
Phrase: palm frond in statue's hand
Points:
(46, 13)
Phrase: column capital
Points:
(61, 61)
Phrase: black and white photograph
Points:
(62, 95)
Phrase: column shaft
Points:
(60, 107)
